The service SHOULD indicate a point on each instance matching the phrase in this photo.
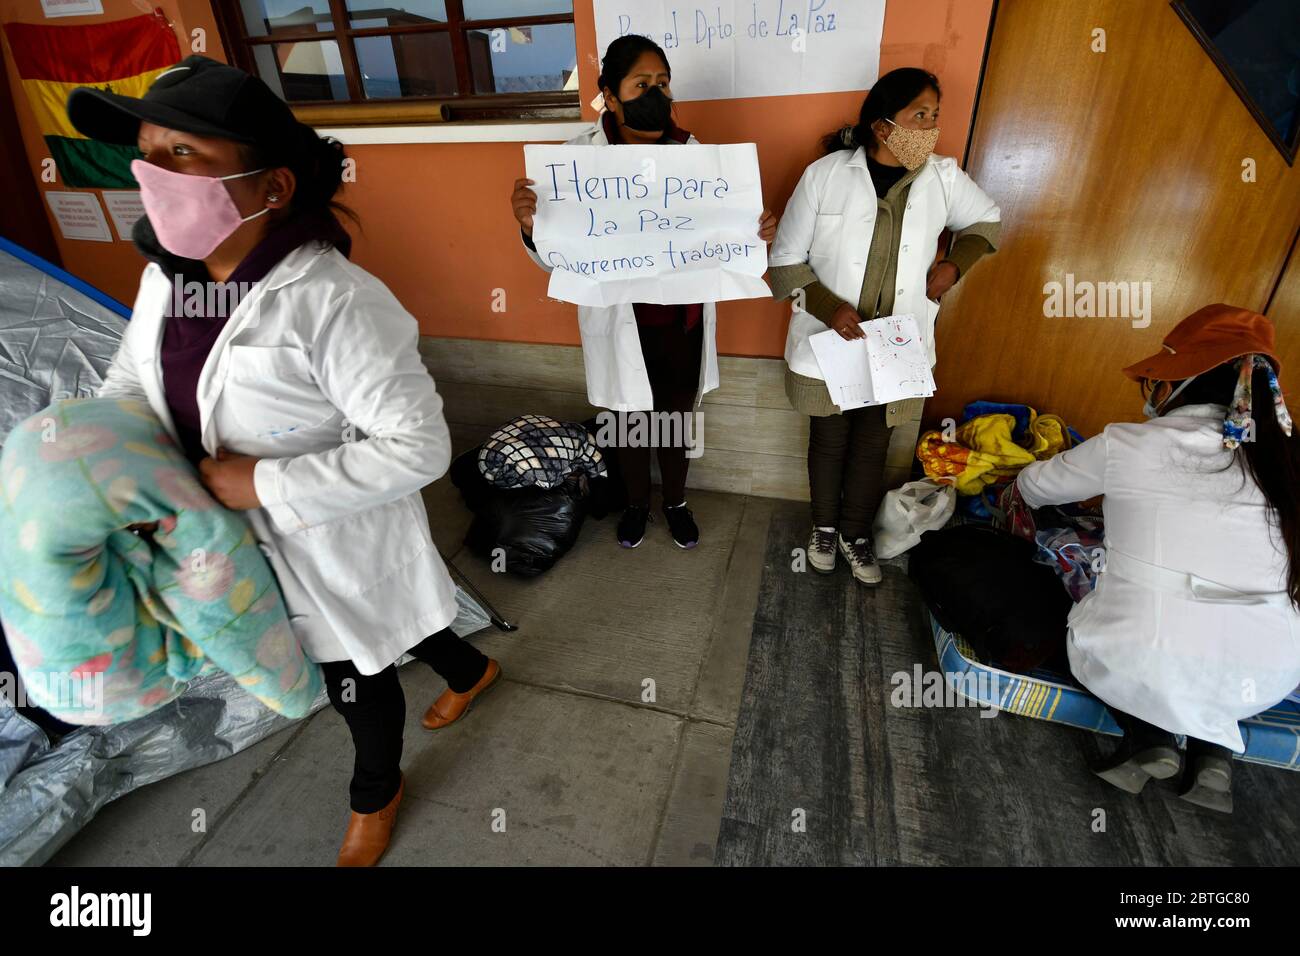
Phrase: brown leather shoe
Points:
(451, 707)
(368, 833)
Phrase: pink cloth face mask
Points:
(191, 215)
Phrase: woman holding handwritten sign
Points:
(641, 358)
(856, 242)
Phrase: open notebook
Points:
(888, 365)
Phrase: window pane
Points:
(407, 64)
(500, 9)
(375, 13)
(523, 59)
(307, 70)
(268, 17)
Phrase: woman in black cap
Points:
(293, 381)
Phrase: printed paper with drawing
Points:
(888, 365)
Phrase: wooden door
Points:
(1116, 166)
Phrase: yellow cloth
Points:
(1048, 435)
(984, 452)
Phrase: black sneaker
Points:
(682, 525)
(631, 527)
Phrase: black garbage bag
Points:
(533, 527)
(984, 584)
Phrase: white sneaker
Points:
(861, 559)
(821, 550)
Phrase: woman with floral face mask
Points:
(292, 380)
(857, 241)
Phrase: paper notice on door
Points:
(888, 365)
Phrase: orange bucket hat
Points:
(1214, 336)
(1206, 339)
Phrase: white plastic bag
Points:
(908, 511)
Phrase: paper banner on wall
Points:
(79, 216)
(888, 365)
(125, 207)
(658, 224)
(731, 49)
(122, 56)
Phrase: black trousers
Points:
(846, 469)
(374, 708)
(672, 363)
(1139, 732)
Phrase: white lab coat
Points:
(829, 221)
(1189, 627)
(317, 372)
(611, 346)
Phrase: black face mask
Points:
(649, 112)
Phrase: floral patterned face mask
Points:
(1240, 412)
(911, 147)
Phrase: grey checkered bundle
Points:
(538, 452)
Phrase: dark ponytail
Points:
(1271, 459)
(892, 93)
(622, 55)
(317, 165)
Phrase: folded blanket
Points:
(991, 448)
(536, 451)
(106, 625)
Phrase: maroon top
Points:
(647, 314)
(188, 339)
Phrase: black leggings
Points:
(672, 362)
(1139, 732)
(374, 708)
(846, 469)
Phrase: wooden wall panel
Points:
(1117, 166)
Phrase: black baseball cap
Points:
(198, 95)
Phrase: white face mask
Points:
(1153, 411)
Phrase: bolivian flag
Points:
(123, 57)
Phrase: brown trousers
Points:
(846, 469)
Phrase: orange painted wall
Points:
(436, 222)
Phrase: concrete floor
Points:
(580, 761)
(585, 767)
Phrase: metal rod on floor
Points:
(495, 617)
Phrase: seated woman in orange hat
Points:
(1193, 626)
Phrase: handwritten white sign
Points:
(670, 225)
(887, 365)
(732, 49)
